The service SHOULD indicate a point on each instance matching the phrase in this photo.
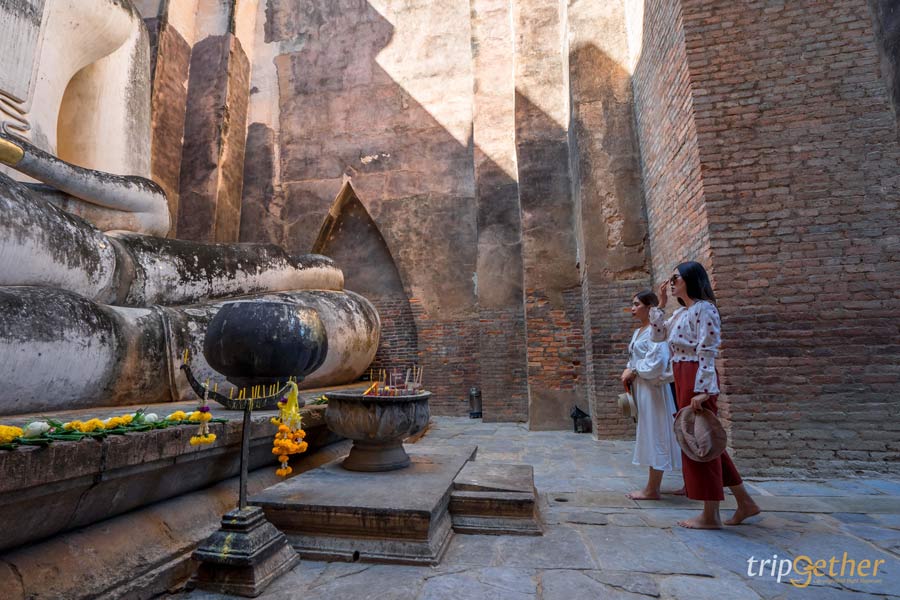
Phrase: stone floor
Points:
(599, 544)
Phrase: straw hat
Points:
(628, 406)
(700, 434)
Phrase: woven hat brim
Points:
(684, 433)
(627, 405)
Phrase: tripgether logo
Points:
(804, 569)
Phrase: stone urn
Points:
(257, 342)
(261, 342)
(377, 425)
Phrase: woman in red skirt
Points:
(693, 334)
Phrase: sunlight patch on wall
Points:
(634, 23)
(423, 58)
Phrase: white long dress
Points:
(656, 445)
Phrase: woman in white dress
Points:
(648, 374)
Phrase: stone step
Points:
(495, 499)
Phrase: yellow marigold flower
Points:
(283, 472)
(195, 416)
(284, 429)
(73, 426)
(302, 447)
(206, 417)
(178, 415)
(203, 439)
(93, 425)
(8, 433)
(127, 419)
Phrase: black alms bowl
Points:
(259, 342)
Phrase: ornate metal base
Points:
(376, 457)
(244, 556)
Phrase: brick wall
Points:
(612, 329)
(503, 379)
(555, 340)
(799, 149)
(611, 227)
(449, 355)
(555, 356)
(673, 190)
(398, 346)
(768, 130)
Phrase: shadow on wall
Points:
(351, 238)
(431, 218)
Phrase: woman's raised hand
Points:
(663, 294)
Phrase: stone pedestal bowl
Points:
(377, 425)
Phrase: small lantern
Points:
(580, 420)
(474, 403)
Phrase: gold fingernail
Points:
(10, 153)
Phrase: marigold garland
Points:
(202, 416)
(289, 439)
(8, 433)
(45, 431)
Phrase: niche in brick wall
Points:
(351, 238)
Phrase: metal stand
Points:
(247, 553)
(245, 456)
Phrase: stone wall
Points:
(168, 105)
(502, 360)
(367, 94)
(612, 228)
(532, 166)
(553, 307)
(512, 154)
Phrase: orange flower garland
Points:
(289, 439)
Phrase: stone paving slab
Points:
(643, 550)
(491, 584)
(599, 544)
(579, 585)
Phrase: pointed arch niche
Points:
(350, 237)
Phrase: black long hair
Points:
(696, 282)
(647, 298)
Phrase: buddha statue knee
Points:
(95, 304)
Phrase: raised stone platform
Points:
(395, 517)
(495, 499)
(66, 485)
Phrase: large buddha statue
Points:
(95, 304)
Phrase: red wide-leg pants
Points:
(702, 480)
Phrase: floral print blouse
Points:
(694, 335)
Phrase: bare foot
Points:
(743, 512)
(643, 495)
(700, 523)
(679, 492)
